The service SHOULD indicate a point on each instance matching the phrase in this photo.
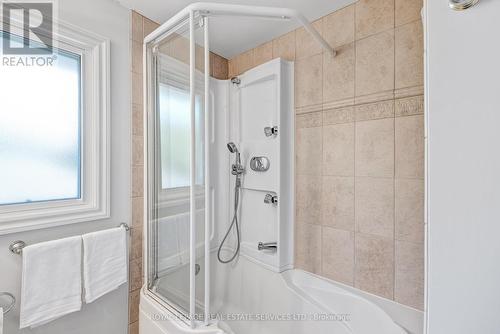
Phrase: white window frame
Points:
(94, 201)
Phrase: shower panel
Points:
(262, 123)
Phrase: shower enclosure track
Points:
(220, 9)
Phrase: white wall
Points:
(109, 314)
(463, 57)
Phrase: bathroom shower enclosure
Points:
(215, 261)
(187, 174)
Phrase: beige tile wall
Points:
(359, 146)
(142, 26)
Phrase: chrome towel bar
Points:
(17, 246)
(12, 302)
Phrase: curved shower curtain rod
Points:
(218, 9)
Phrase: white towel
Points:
(104, 262)
(51, 281)
(1, 320)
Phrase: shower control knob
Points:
(271, 131)
(270, 199)
(260, 164)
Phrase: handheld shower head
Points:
(232, 147)
(237, 168)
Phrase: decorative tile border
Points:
(338, 116)
(384, 109)
(400, 102)
(310, 120)
(360, 112)
(409, 106)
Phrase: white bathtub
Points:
(250, 290)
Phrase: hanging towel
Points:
(1, 320)
(104, 262)
(51, 281)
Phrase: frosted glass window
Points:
(175, 136)
(40, 130)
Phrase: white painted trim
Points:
(192, 171)
(146, 120)
(208, 192)
(95, 155)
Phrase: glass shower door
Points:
(176, 167)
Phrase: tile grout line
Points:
(322, 146)
(394, 214)
(354, 167)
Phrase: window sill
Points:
(62, 213)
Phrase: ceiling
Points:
(230, 36)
